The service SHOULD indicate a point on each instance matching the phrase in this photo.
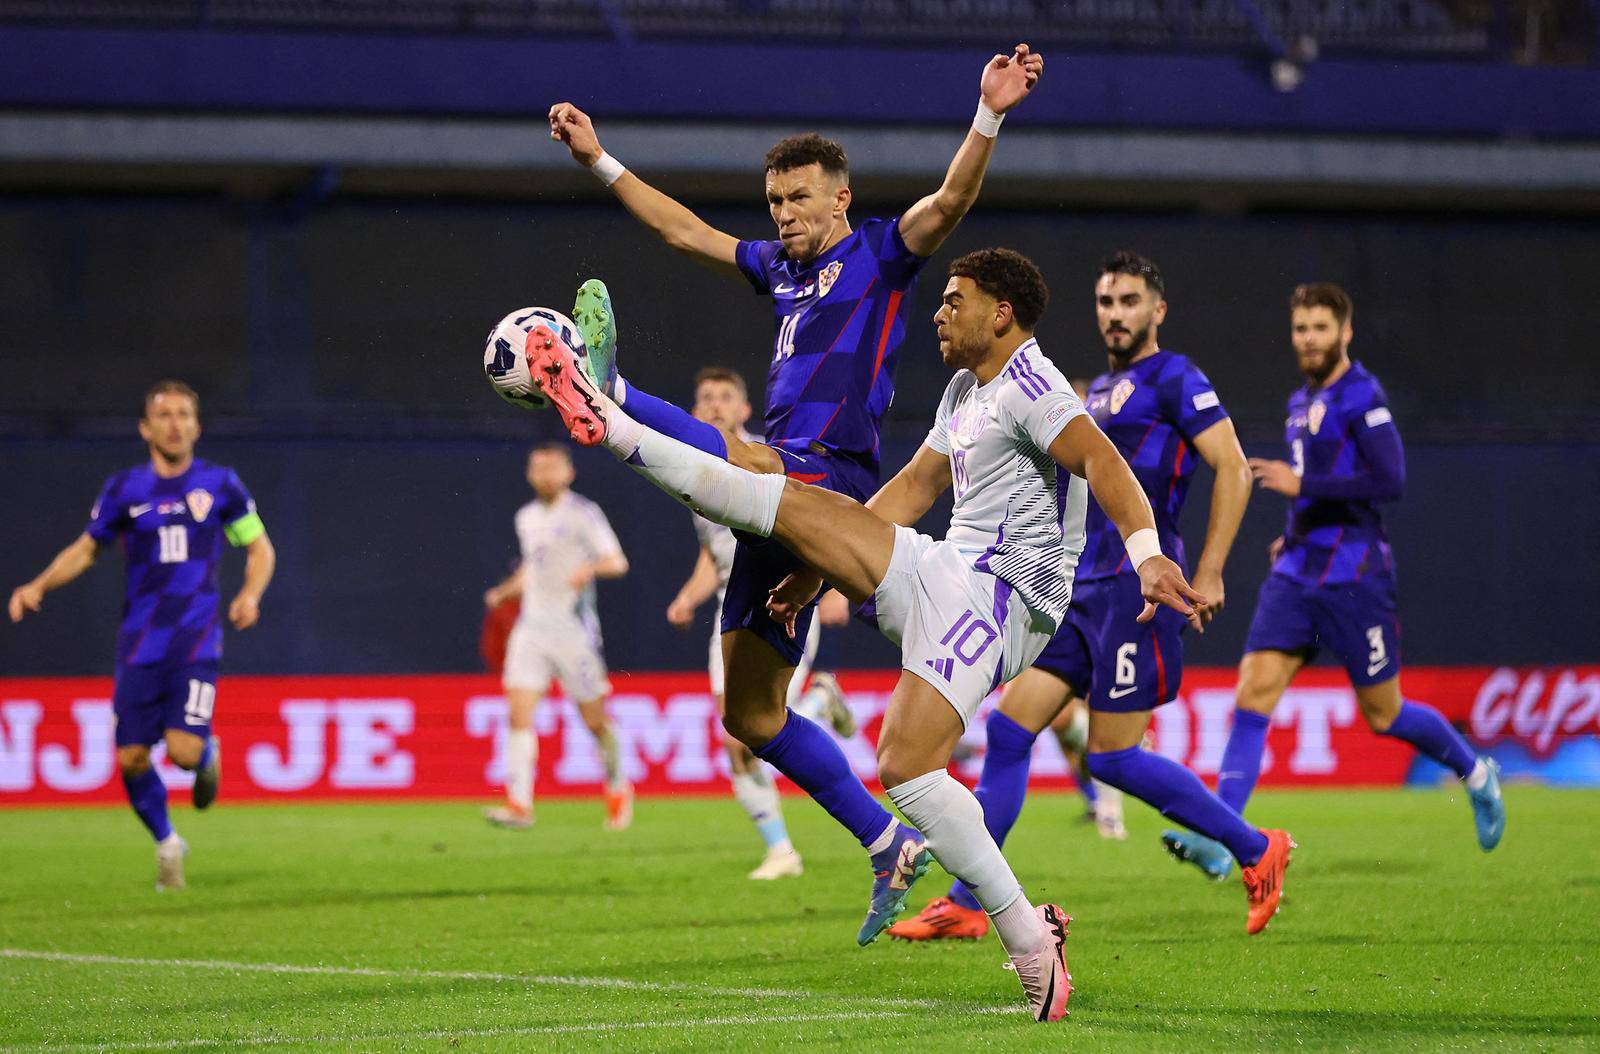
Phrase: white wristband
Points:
(1142, 545)
(607, 168)
(986, 122)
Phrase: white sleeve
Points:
(1040, 417)
(601, 539)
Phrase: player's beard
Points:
(1136, 342)
(1326, 362)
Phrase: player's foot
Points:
(598, 324)
(894, 871)
(778, 863)
(169, 863)
(1108, 814)
(619, 807)
(510, 815)
(207, 780)
(1044, 975)
(942, 919)
(1210, 856)
(559, 377)
(834, 709)
(1263, 880)
(1488, 807)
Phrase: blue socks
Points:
(1426, 729)
(1241, 759)
(148, 796)
(1179, 795)
(809, 756)
(1085, 782)
(207, 753)
(1002, 786)
(661, 416)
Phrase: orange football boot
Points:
(619, 807)
(1263, 880)
(942, 919)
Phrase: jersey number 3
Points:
(174, 541)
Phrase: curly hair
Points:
(798, 151)
(1323, 294)
(1128, 262)
(1006, 274)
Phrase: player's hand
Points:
(833, 609)
(491, 597)
(1275, 550)
(1161, 582)
(572, 128)
(788, 598)
(244, 611)
(680, 613)
(1008, 79)
(1275, 475)
(25, 599)
(1210, 583)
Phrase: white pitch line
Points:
(458, 1033)
(560, 980)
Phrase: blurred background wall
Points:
(314, 211)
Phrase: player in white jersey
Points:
(969, 612)
(566, 544)
(722, 399)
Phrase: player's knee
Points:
(753, 729)
(1379, 714)
(133, 761)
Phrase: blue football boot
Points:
(894, 871)
(1208, 855)
(1488, 807)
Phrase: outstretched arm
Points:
(1083, 450)
(674, 223)
(69, 563)
(1007, 80)
(700, 586)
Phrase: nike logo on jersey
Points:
(135, 511)
(781, 290)
(1118, 693)
(1374, 667)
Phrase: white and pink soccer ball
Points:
(505, 358)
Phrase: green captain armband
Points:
(244, 530)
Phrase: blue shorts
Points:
(1125, 665)
(148, 700)
(1357, 621)
(759, 564)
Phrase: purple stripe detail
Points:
(1002, 600)
(999, 540)
(1025, 381)
(634, 459)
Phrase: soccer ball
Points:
(505, 360)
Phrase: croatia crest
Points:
(1120, 394)
(1315, 415)
(199, 504)
(829, 275)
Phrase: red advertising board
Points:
(443, 736)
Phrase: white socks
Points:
(708, 485)
(951, 819)
(1478, 776)
(611, 754)
(521, 752)
(757, 797)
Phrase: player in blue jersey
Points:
(1163, 415)
(170, 516)
(1333, 581)
(838, 295)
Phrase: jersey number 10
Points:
(174, 541)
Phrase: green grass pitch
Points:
(416, 927)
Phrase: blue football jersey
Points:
(1336, 434)
(840, 321)
(1151, 411)
(171, 532)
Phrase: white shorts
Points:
(962, 630)
(536, 654)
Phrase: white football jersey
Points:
(1017, 514)
(555, 540)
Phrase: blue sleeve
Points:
(1382, 472)
(107, 519)
(235, 500)
(898, 265)
(1191, 402)
(754, 259)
